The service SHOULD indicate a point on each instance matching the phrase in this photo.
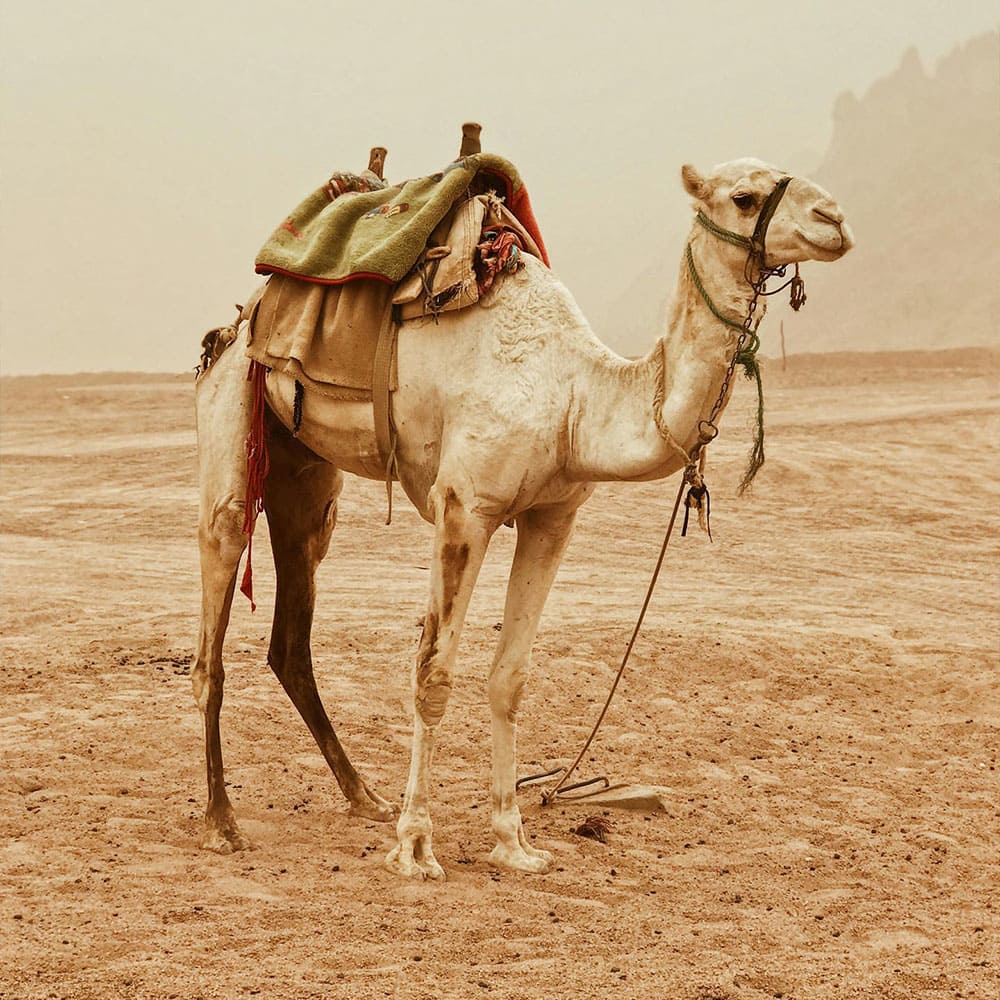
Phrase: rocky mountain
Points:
(915, 163)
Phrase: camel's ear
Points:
(694, 183)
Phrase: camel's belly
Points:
(343, 433)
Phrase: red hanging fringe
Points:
(257, 469)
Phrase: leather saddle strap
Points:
(385, 431)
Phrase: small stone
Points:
(28, 782)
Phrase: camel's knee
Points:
(322, 531)
(432, 698)
(206, 685)
(506, 687)
(199, 684)
(221, 527)
(432, 678)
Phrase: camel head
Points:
(807, 223)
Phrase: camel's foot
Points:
(521, 858)
(371, 805)
(412, 857)
(224, 837)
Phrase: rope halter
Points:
(753, 244)
(745, 352)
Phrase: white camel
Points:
(509, 410)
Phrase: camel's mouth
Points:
(828, 243)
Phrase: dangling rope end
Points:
(391, 472)
(753, 465)
(297, 404)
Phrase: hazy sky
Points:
(149, 148)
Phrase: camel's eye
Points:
(744, 202)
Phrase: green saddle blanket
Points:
(352, 227)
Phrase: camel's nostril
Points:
(829, 214)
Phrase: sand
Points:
(815, 692)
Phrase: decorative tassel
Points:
(751, 368)
(699, 499)
(499, 251)
(258, 465)
(797, 296)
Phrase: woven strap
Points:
(764, 219)
(385, 432)
(755, 243)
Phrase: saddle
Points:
(353, 261)
(357, 258)
(325, 335)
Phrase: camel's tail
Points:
(218, 339)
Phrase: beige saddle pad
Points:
(323, 335)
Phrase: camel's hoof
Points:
(520, 860)
(225, 841)
(372, 806)
(402, 862)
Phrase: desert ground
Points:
(815, 693)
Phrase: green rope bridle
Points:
(745, 355)
(748, 342)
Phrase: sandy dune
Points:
(817, 691)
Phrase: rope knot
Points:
(699, 499)
(747, 356)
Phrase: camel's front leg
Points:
(460, 540)
(542, 536)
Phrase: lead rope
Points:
(549, 794)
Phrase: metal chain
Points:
(708, 429)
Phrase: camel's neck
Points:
(615, 433)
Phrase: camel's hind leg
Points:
(223, 406)
(300, 500)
